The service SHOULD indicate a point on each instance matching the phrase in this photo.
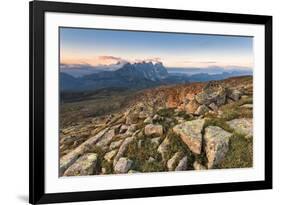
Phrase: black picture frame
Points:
(37, 194)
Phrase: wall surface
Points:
(14, 100)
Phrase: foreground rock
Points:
(182, 165)
(190, 133)
(216, 140)
(243, 126)
(198, 166)
(234, 94)
(123, 148)
(171, 164)
(201, 110)
(152, 129)
(67, 160)
(123, 165)
(164, 147)
(212, 93)
(85, 165)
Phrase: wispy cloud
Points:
(201, 62)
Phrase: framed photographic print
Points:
(140, 102)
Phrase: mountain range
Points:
(133, 76)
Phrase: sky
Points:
(175, 50)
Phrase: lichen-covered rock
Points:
(115, 144)
(67, 160)
(123, 165)
(248, 106)
(243, 126)
(198, 166)
(148, 120)
(105, 140)
(201, 110)
(216, 144)
(182, 165)
(152, 129)
(171, 164)
(110, 155)
(123, 148)
(192, 106)
(85, 165)
(213, 106)
(190, 133)
(123, 129)
(212, 92)
(234, 94)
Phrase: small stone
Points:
(110, 155)
(123, 165)
(150, 160)
(123, 129)
(213, 106)
(182, 164)
(152, 129)
(115, 144)
(198, 166)
(248, 106)
(148, 120)
(234, 94)
(201, 110)
(171, 164)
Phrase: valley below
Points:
(173, 127)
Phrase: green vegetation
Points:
(177, 145)
(140, 152)
(240, 154)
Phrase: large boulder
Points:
(123, 149)
(190, 133)
(123, 165)
(182, 165)
(212, 92)
(105, 140)
(85, 165)
(152, 129)
(216, 144)
(67, 160)
(243, 126)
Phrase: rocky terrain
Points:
(195, 126)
